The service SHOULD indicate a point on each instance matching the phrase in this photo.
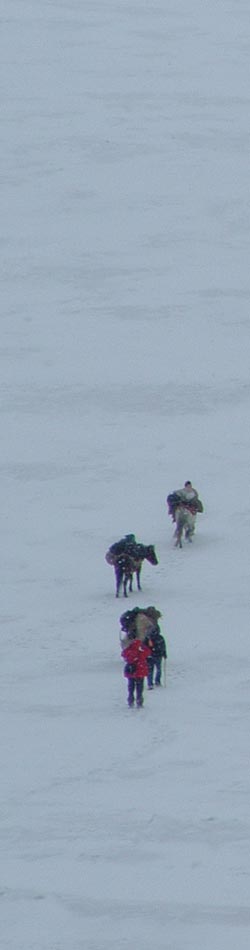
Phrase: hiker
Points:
(136, 668)
(158, 648)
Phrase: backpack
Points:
(157, 643)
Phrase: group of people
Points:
(143, 649)
(143, 646)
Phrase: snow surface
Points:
(124, 361)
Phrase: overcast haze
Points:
(124, 360)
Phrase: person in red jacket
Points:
(136, 668)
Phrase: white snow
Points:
(124, 360)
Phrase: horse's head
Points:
(150, 554)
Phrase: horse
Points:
(185, 522)
(129, 563)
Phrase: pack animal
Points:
(129, 563)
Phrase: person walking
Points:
(136, 668)
(158, 648)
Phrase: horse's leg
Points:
(178, 534)
(190, 527)
(118, 577)
(127, 579)
(138, 574)
(178, 543)
(116, 582)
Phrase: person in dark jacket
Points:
(157, 645)
(136, 668)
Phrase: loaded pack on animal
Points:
(138, 622)
(183, 506)
(127, 556)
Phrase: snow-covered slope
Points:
(124, 363)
